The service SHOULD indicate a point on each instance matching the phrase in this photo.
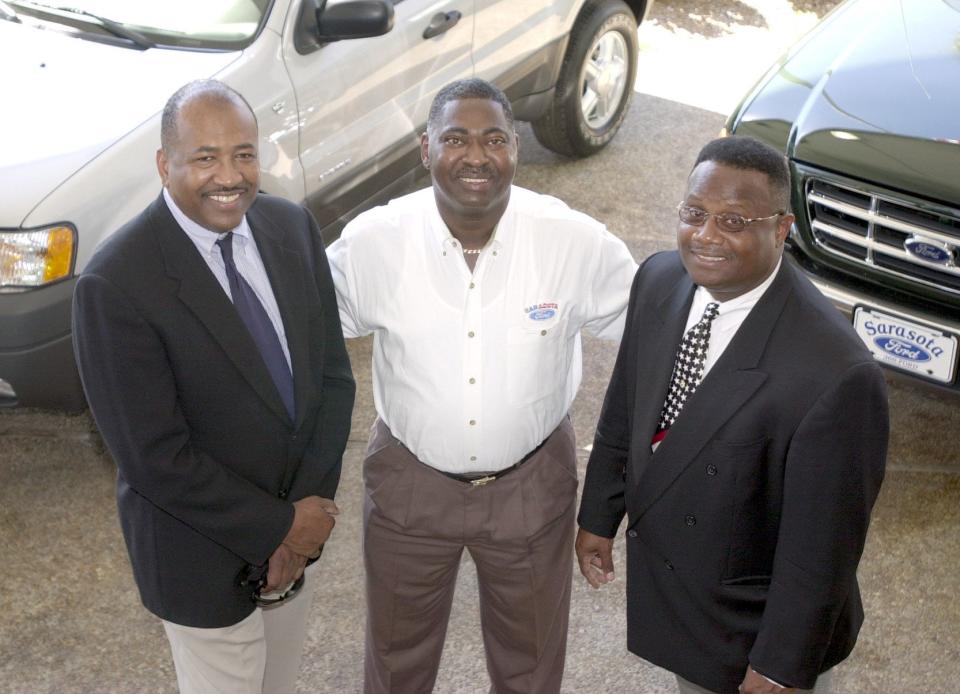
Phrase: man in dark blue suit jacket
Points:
(220, 478)
(747, 515)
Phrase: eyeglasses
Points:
(728, 221)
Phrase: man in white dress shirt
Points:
(476, 292)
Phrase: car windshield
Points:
(223, 24)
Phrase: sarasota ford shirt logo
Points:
(541, 311)
(903, 342)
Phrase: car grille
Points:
(889, 235)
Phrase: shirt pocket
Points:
(537, 360)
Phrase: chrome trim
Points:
(6, 391)
(873, 217)
(846, 300)
(869, 213)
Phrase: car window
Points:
(224, 24)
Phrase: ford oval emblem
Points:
(925, 250)
(899, 347)
(542, 314)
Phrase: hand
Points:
(595, 555)
(283, 568)
(313, 520)
(755, 683)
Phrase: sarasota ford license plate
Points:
(906, 345)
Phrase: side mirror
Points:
(355, 19)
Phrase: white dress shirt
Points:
(730, 317)
(246, 257)
(472, 371)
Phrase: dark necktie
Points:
(687, 369)
(261, 329)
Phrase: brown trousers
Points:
(519, 532)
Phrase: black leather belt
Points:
(478, 479)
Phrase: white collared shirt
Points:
(246, 257)
(730, 316)
(473, 371)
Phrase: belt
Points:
(478, 479)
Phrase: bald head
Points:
(199, 90)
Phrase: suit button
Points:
(284, 493)
(631, 533)
(666, 562)
(690, 519)
(711, 469)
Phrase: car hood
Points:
(873, 92)
(67, 99)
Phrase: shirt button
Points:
(473, 458)
(690, 519)
(472, 381)
(472, 285)
(711, 469)
(631, 533)
(473, 422)
(543, 332)
(470, 334)
(494, 252)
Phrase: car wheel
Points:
(596, 81)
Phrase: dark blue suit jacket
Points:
(208, 459)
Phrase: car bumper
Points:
(847, 299)
(37, 368)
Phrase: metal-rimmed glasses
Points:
(727, 221)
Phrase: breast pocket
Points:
(538, 357)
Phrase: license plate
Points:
(914, 347)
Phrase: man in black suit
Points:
(747, 493)
(208, 340)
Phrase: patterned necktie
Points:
(258, 323)
(688, 368)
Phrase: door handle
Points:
(441, 22)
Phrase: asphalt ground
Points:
(70, 619)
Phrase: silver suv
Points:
(341, 90)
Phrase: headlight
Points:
(35, 257)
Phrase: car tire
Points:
(596, 79)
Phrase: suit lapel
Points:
(287, 276)
(732, 381)
(203, 295)
(655, 365)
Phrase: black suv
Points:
(867, 108)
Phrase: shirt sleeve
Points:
(346, 282)
(609, 288)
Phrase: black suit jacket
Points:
(746, 525)
(208, 459)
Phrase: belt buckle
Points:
(483, 480)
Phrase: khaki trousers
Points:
(519, 531)
(258, 655)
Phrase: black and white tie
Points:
(688, 367)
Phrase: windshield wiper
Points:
(113, 27)
(8, 13)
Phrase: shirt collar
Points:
(445, 242)
(204, 239)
